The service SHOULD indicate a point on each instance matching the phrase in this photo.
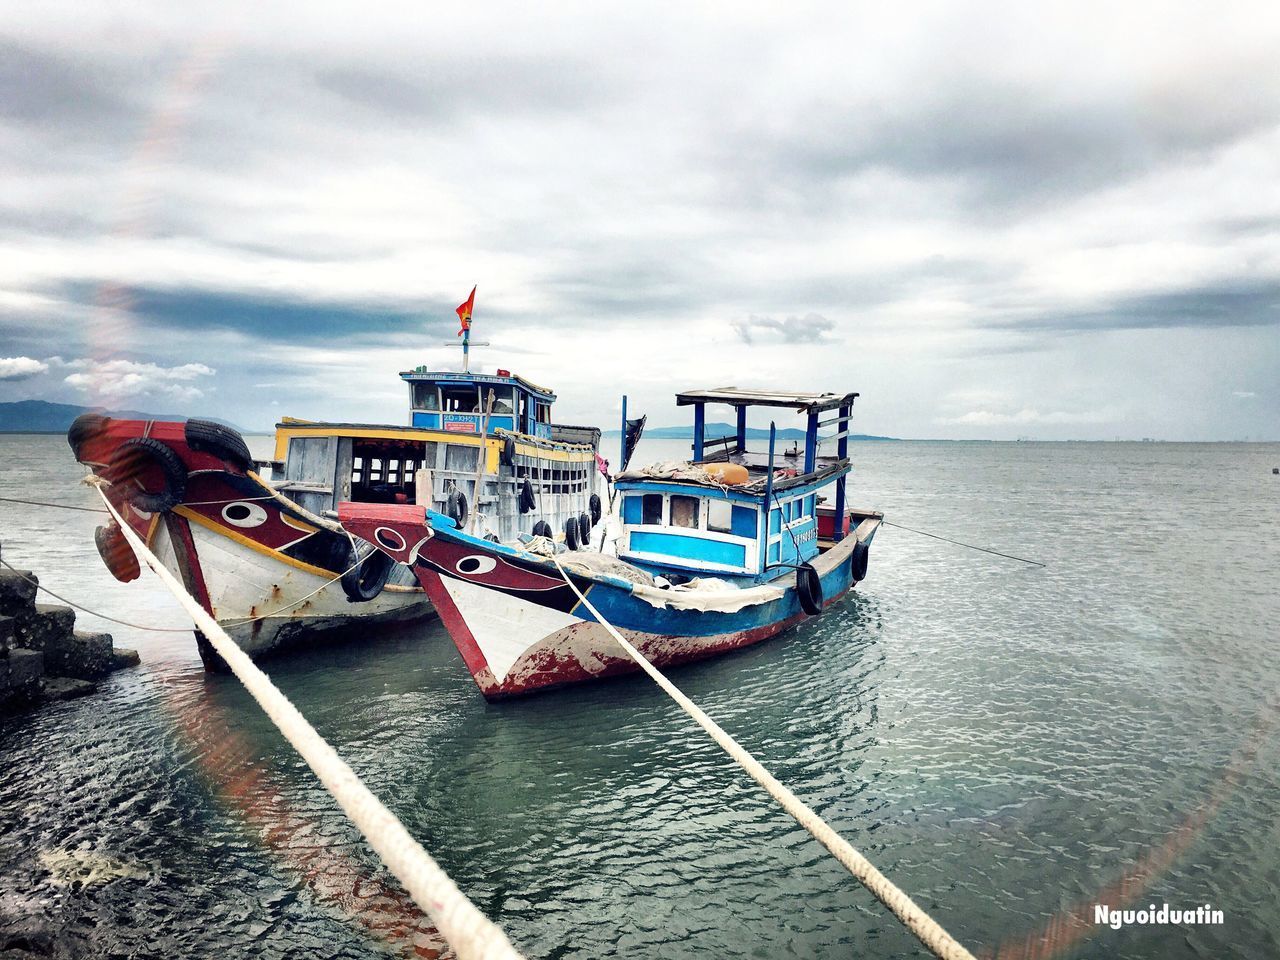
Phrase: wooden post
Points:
(481, 463)
(842, 450)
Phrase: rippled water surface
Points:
(1009, 744)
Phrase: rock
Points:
(88, 656)
(45, 627)
(7, 628)
(124, 657)
(23, 670)
(67, 688)
(17, 591)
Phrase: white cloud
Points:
(1243, 394)
(120, 379)
(20, 368)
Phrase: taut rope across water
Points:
(927, 930)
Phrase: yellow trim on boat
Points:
(493, 444)
(253, 544)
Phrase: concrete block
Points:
(17, 591)
(67, 688)
(87, 656)
(45, 627)
(26, 669)
(124, 657)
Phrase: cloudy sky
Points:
(993, 221)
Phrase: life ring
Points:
(809, 589)
(527, 500)
(594, 506)
(368, 571)
(133, 457)
(206, 436)
(571, 533)
(116, 553)
(584, 530)
(509, 451)
(542, 529)
(858, 565)
(456, 506)
(87, 426)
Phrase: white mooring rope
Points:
(926, 929)
(469, 932)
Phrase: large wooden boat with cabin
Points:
(713, 554)
(263, 552)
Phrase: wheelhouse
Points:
(734, 512)
(454, 444)
(458, 402)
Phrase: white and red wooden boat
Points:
(714, 555)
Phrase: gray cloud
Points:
(811, 328)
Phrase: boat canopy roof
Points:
(801, 402)
(501, 377)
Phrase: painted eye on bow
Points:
(475, 566)
(391, 539)
(244, 514)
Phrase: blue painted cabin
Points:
(683, 519)
(455, 402)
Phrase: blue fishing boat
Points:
(716, 553)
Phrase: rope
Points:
(42, 503)
(1007, 556)
(925, 928)
(470, 933)
(93, 613)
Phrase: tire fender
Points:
(206, 436)
(456, 507)
(858, 563)
(370, 568)
(809, 589)
(571, 533)
(128, 462)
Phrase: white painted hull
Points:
(265, 604)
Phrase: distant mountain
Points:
(728, 429)
(40, 416)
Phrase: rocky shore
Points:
(42, 655)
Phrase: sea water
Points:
(1012, 745)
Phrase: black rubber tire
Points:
(858, 564)
(527, 500)
(364, 582)
(571, 533)
(85, 427)
(130, 459)
(809, 589)
(509, 452)
(595, 507)
(456, 506)
(116, 553)
(543, 529)
(584, 530)
(205, 436)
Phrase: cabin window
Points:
(684, 512)
(357, 469)
(775, 521)
(720, 516)
(425, 396)
(652, 509)
(744, 521)
(503, 401)
(631, 512)
(460, 457)
(460, 399)
(375, 469)
(544, 413)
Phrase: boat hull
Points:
(252, 560)
(521, 628)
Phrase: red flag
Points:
(464, 312)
